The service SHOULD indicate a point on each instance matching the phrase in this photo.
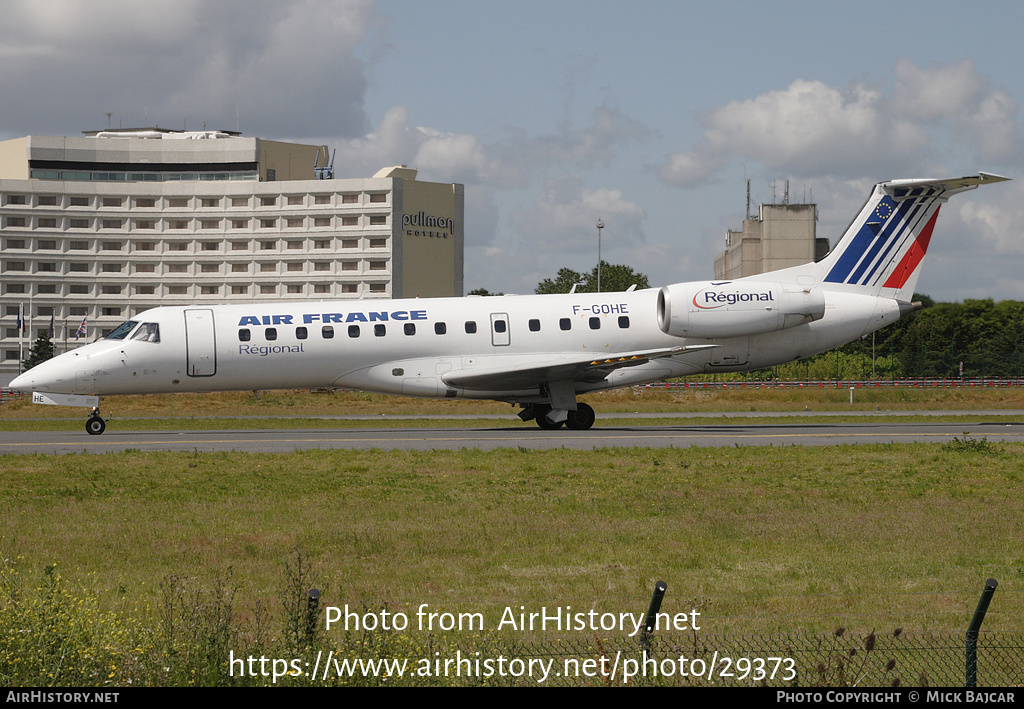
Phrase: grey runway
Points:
(800, 431)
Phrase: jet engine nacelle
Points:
(710, 310)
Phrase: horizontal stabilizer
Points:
(949, 185)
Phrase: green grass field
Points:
(763, 540)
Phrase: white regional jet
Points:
(537, 351)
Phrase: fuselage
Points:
(417, 347)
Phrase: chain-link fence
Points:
(839, 659)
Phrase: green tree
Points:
(614, 277)
(482, 291)
(562, 283)
(987, 337)
(42, 350)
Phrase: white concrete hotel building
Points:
(98, 228)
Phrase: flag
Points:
(51, 326)
(81, 329)
(21, 318)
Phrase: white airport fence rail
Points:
(834, 383)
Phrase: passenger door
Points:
(200, 343)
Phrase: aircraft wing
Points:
(588, 369)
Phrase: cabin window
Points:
(470, 327)
(500, 326)
(270, 334)
(327, 332)
(595, 323)
(565, 324)
(534, 325)
(440, 328)
(379, 330)
(410, 328)
(301, 333)
(353, 331)
(624, 322)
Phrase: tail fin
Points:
(882, 248)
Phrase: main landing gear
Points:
(551, 419)
(95, 425)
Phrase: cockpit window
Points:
(122, 330)
(148, 332)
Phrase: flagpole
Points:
(21, 336)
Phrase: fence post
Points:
(652, 614)
(974, 629)
(312, 610)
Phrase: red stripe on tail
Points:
(913, 257)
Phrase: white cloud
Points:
(439, 156)
(514, 162)
(66, 27)
(394, 142)
(935, 93)
(992, 130)
(811, 129)
(690, 168)
(564, 218)
(455, 157)
(982, 117)
(288, 69)
(993, 224)
(808, 129)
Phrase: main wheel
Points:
(95, 426)
(544, 422)
(581, 419)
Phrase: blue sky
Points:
(648, 115)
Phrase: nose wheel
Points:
(95, 425)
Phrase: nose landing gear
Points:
(95, 425)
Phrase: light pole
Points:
(600, 226)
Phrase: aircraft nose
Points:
(48, 376)
(20, 383)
